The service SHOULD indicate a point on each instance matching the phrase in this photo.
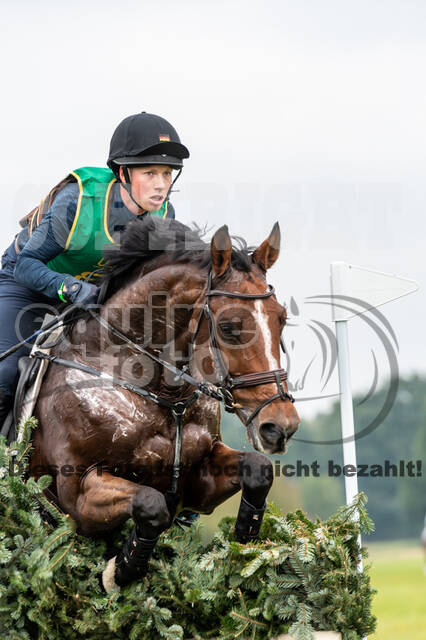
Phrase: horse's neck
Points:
(156, 309)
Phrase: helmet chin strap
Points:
(128, 185)
(171, 186)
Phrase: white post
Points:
(374, 288)
(347, 413)
(346, 408)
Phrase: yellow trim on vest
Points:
(30, 232)
(165, 210)
(106, 210)
(40, 210)
(77, 213)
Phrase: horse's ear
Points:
(267, 253)
(221, 250)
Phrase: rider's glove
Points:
(78, 291)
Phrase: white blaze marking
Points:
(262, 322)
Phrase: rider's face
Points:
(150, 185)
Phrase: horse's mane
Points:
(155, 242)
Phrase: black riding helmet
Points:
(145, 139)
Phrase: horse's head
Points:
(238, 343)
(230, 331)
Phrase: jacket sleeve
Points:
(48, 240)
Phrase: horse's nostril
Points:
(271, 433)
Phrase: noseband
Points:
(225, 383)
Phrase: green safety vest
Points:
(89, 232)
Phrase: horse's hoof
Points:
(108, 576)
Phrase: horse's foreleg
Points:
(99, 502)
(256, 476)
(152, 517)
(104, 502)
(223, 474)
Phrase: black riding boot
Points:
(132, 562)
(6, 403)
(248, 522)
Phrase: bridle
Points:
(220, 390)
(225, 384)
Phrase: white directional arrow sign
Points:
(355, 290)
(371, 288)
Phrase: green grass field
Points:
(400, 604)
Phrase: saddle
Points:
(31, 374)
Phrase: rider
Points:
(53, 257)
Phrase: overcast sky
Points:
(310, 113)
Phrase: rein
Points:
(220, 390)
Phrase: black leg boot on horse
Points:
(132, 562)
(256, 476)
(152, 517)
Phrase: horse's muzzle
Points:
(274, 437)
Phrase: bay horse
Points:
(129, 412)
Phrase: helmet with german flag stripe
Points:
(145, 139)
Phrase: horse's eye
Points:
(229, 331)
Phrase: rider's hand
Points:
(78, 291)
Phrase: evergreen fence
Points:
(298, 578)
